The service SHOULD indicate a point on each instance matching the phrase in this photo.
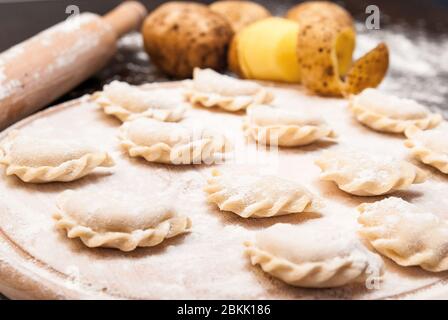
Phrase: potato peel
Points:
(368, 71)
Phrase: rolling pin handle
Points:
(126, 17)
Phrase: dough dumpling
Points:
(172, 143)
(309, 256)
(387, 113)
(111, 220)
(211, 89)
(429, 146)
(127, 102)
(403, 232)
(365, 174)
(252, 196)
(40, 160)
(288, 128)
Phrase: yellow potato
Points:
(233, 57)
(180, 36)
(266, 50)
(240, 13)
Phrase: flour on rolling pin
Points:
(43, 68)
(46, 38)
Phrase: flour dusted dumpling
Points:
(127, 102)
(403, 232)
(274, 126)
(387, 113)
(310, 256)
(40, 160)
(172, 143)
(211, 89)
(430, 146)
(365, 174)
(252, 196)
(113, 220)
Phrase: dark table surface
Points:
(416, 32)
(427, 20)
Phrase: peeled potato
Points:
(240, 13)
(180, 36)
(266, 50)
(233, 59)
(320, 11)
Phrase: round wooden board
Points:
(37, 261)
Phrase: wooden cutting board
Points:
(37, 261)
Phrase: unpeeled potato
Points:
(240, 13)
(324, 53)
(326, 41)
(180, 36)
(320, 11)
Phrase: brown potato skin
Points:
(314, 53)
(320, 11)
(368, 71)
(180, 36)
(240, 13)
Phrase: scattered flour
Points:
(8, 86)
(66, 26)
(81, 46)
(133, 40)
(418, 62)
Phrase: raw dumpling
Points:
(387, 113)
(40, 160)
(306, 256)
(114, 221)
(405, 233)
(211, 89)
(364, 174)
(251, 196)
(172, 143)
(127, 102)
(430, 146)
(274, 126)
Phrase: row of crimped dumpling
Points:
(167, 142)
(313, 261)
(268, 116)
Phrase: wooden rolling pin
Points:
(39, 70)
